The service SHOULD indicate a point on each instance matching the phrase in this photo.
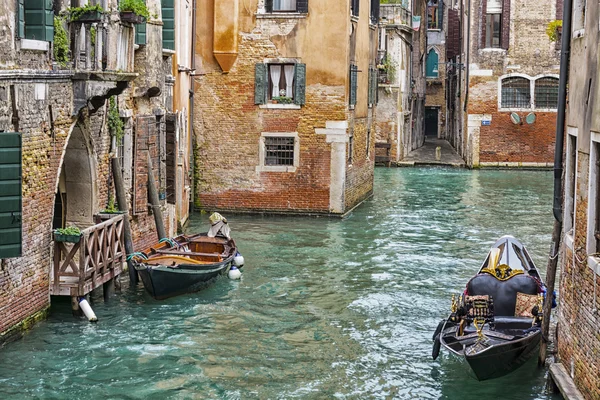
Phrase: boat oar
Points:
(437, 343)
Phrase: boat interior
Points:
(199, 249)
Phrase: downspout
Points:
(191, 141)
(558, 171)
(468, 54)
(562, 104)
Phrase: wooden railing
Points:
(395, 14)
(98, 257)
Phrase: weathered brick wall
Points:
(529, 52)
(359, 176)
(578, 313)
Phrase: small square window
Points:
(278, 152)
(284, 5)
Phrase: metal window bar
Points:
(279, 151)
(546, 93)
(516, 93)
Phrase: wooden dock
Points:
(564, 382)
(97, 258)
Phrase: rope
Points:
(171, 242)
(136, 254)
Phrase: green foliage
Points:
(393, 2)
(115, 123)
(135, 6)
(71, 231)
(389, 66)
(553, 29)
(75, 13)
(283, 100)
(61, 42)
(112, 207)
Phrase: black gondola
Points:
(495, 325)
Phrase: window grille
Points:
(546, 93)
(279, 150)
(516, 93)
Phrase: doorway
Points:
(431, 122)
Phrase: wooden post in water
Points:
(122, 201)
(155, 202)
(108, 289)
(550, 282)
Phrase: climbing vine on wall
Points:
(115, 123)
(61, 42)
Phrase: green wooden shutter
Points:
(353, 84)
(260, 83)
(168, 18)
(21, 18)
(39, 20)
(431, 64)
(300, 84)
(140, 34)
(10, 195)
(370, 86)
(440, 14)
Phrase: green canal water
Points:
(327, 308)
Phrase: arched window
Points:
(432, 64)
(516, 92)
(546, 92)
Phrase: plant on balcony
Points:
(554, 30)
(61, 42)
(71, 234)
(111, 207)
(115, 123)
(87, 13)
(388, 68)
(134, 11)
(283, 100)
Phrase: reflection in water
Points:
(326, 308)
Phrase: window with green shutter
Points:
(280, 83)
(140, 34)
(35, 20)
(353, 84)
(10, 195)
(431, 69)
(168, 19)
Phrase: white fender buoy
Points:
(234, 273)
(238, 260)
(87, 310)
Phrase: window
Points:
(168, 19)
(35, 20)
(354, 7)
(433, 14)
(516, 93)
(431, 69)
(570, 179)
(593, 244)
(493, 24)
(11, 195)
(546, 93)
(353, 84)
(579, 7)
(300, 6)
(374, 11)
(278, 152)
(281, 83)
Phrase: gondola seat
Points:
(504, 293)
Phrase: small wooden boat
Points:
(184, 264)
(495, 325)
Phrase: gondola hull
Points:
(502, 359)
(164, 282)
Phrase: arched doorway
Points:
(75, 194)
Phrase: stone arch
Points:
(76, 185)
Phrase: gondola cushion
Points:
(504, 293)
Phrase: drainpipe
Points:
(468, 54)
(191, 123)
(558, 171)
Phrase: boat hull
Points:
(503, 359)
(164, 282)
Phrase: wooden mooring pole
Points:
(155, 202)
(550, 283)
(122, 201)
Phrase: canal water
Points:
(327, 308)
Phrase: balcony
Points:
(396, 15)
(102, 60)
(98, 257)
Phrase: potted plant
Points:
(283, 100)
(87, 13)
(134, 11)
(554, 30)
(72, 234)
